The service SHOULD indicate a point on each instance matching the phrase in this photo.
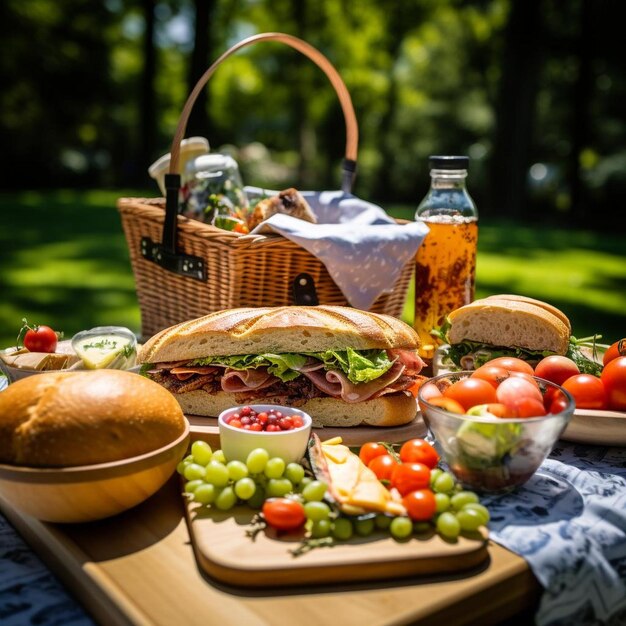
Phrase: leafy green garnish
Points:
(359, 365)
(585, 364)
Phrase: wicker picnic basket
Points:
(185, 268)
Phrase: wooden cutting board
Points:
(224, 552)
(206, 428)
(600, 428)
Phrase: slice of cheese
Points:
(355, 486)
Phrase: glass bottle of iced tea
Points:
(446, 260)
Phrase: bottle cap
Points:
(448, 162)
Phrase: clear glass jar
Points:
(446, 260)
(212, 191)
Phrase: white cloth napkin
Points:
(363, 249)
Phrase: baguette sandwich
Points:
(504, 325)
(343, 366)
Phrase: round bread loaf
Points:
(84, 418)
(280, 329)
(389, 410)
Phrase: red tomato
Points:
(420, 505)
(514, 388)
(407, 477)
(530, 407)
(493, 374)
(284, 514)
(370, 451)
(527, 377)
(616, 349)
(416, 386)
(511, 364)
(614, 381)
(448, 404)
(383, 466)
(40, 339)
(557, 369)
(430, 390)
(469, 392)
(588, 391)
(501, 410)
(419, 451)
(558, 404)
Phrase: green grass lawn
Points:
(64, 262)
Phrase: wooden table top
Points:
(139, 568)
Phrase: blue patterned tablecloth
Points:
(568, 522)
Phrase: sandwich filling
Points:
(291, 378)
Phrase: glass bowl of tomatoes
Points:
(281, 430)
(494, 433)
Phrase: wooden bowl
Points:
(90, 492)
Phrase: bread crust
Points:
(279, 330)
(388, 410)
(84, 418)
(509, 323)
(544, 305)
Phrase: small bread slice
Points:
(541, 303)
(290, 202)
(509, 323)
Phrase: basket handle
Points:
(167, 255)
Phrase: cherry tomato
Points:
(448, 404)
(514, 388)
(501, 410)
(40, 339)
(588, 391)
(557, 369)
(370, 451)
(614, 381)
(407, 477)
(530, 407)
(420, 505)
(527, 377)
(416, 387)
(617, 349)
(419, 451)
(469, 392)
(493, 374)
(383, 466)
(430, 390)
(511, 364)
(284, 514)
(558, 404)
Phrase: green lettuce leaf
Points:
(360, 366)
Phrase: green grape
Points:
(257, 460)
(278, 487)
(321, 528)
(294, 472)
(218, 456)
(401, 527)
(274, 467)
(434, 475)
(226, 499)
(307, 480)
(314, 491)
(342, 529)
(180, 468)
(316, 511)
(448, 525)
(442, 501)
(201, 452)
(364, 527)
(193, 471)
(459, 500)
(205, 494)
(469, 519)
(444, 483)
(382, 521)
(236, 470)
(217, 474)
(245, 488)
(421, 527)
(188, 459)
(258, 497)
(192, 485)
(479, 508)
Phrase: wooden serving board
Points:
(206, 428)
(601, 428)
(227, 554)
